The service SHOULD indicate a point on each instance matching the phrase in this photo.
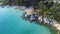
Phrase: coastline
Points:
(55, 25)
(30, 11)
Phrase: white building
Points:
(56, 1)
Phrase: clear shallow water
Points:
(11, 22)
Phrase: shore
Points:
(30, 11)
(55, 25)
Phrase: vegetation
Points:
(52, 12)
(45, 9)
(49, 11)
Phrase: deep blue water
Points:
(11, 22)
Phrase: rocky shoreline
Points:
(29, 14)
(32, 17)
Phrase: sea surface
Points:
(11, 22)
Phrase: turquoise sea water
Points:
(11, 22)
